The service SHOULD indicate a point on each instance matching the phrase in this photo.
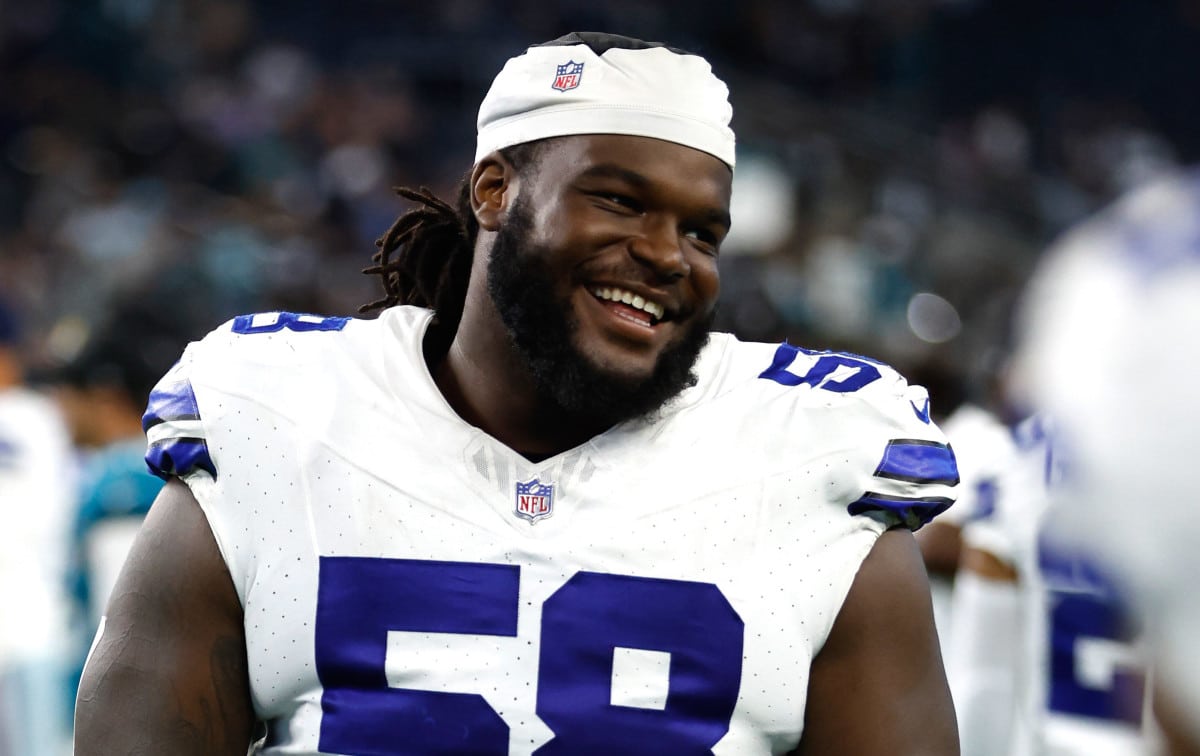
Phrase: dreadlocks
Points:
(424, 259)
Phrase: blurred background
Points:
(902, 162)
(167, 164)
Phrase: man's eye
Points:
(620, 200)
(703, 238)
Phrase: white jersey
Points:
(1111, 350)
(1080, 679)
(411, 585)
(37, 466)
(982, 446)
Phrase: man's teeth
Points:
(631, 299)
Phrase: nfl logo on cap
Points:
(568, 76)
(534, 500)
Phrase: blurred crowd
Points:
(166, 164)
(901, 162)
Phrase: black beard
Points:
(541, 328)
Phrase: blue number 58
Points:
(361, 599)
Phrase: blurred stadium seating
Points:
(902, 162)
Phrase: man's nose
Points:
(658, 247)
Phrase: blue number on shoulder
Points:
(817, 376)
(292, 321)
(359, 600)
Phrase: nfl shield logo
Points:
(568, 76)
(535, 501)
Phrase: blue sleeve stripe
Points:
(170, 401)
(179, 456)
(918, 461)
(913, 512)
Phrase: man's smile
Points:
(628, 304)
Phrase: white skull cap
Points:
(591, 83)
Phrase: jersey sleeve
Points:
(224, 420)
(913, 471)
(904, 471)
(176, 442)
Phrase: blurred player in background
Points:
(36, 465)
(1112, 351)
(982, 444)
(102, 392)
(1052, 661)
(534, 507)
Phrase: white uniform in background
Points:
(1112, 350)
(37, 468)
(412, 585)
(1077, 675)
(982, 445)
(968, 609)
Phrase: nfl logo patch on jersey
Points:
(535, 500)
(568, 76)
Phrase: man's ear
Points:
(493, 183)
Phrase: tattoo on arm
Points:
(220, 724)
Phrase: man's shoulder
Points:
(781, 407)
(295, 368)
(276, 336)
(763, 372)
(797, 400)
(304, 343)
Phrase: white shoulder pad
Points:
(907, 469)
(177, 444)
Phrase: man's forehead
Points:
(634, 158)
(637, 164)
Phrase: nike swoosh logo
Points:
(922, 412)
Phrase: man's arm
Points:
(169, 673)
(877, 687)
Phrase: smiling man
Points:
(535, 506)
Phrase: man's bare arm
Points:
(169, 672)
(877, 687)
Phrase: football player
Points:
(1057, 668)
(535, 506)
(36, 479)
(1110, 351)
(102, 391)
